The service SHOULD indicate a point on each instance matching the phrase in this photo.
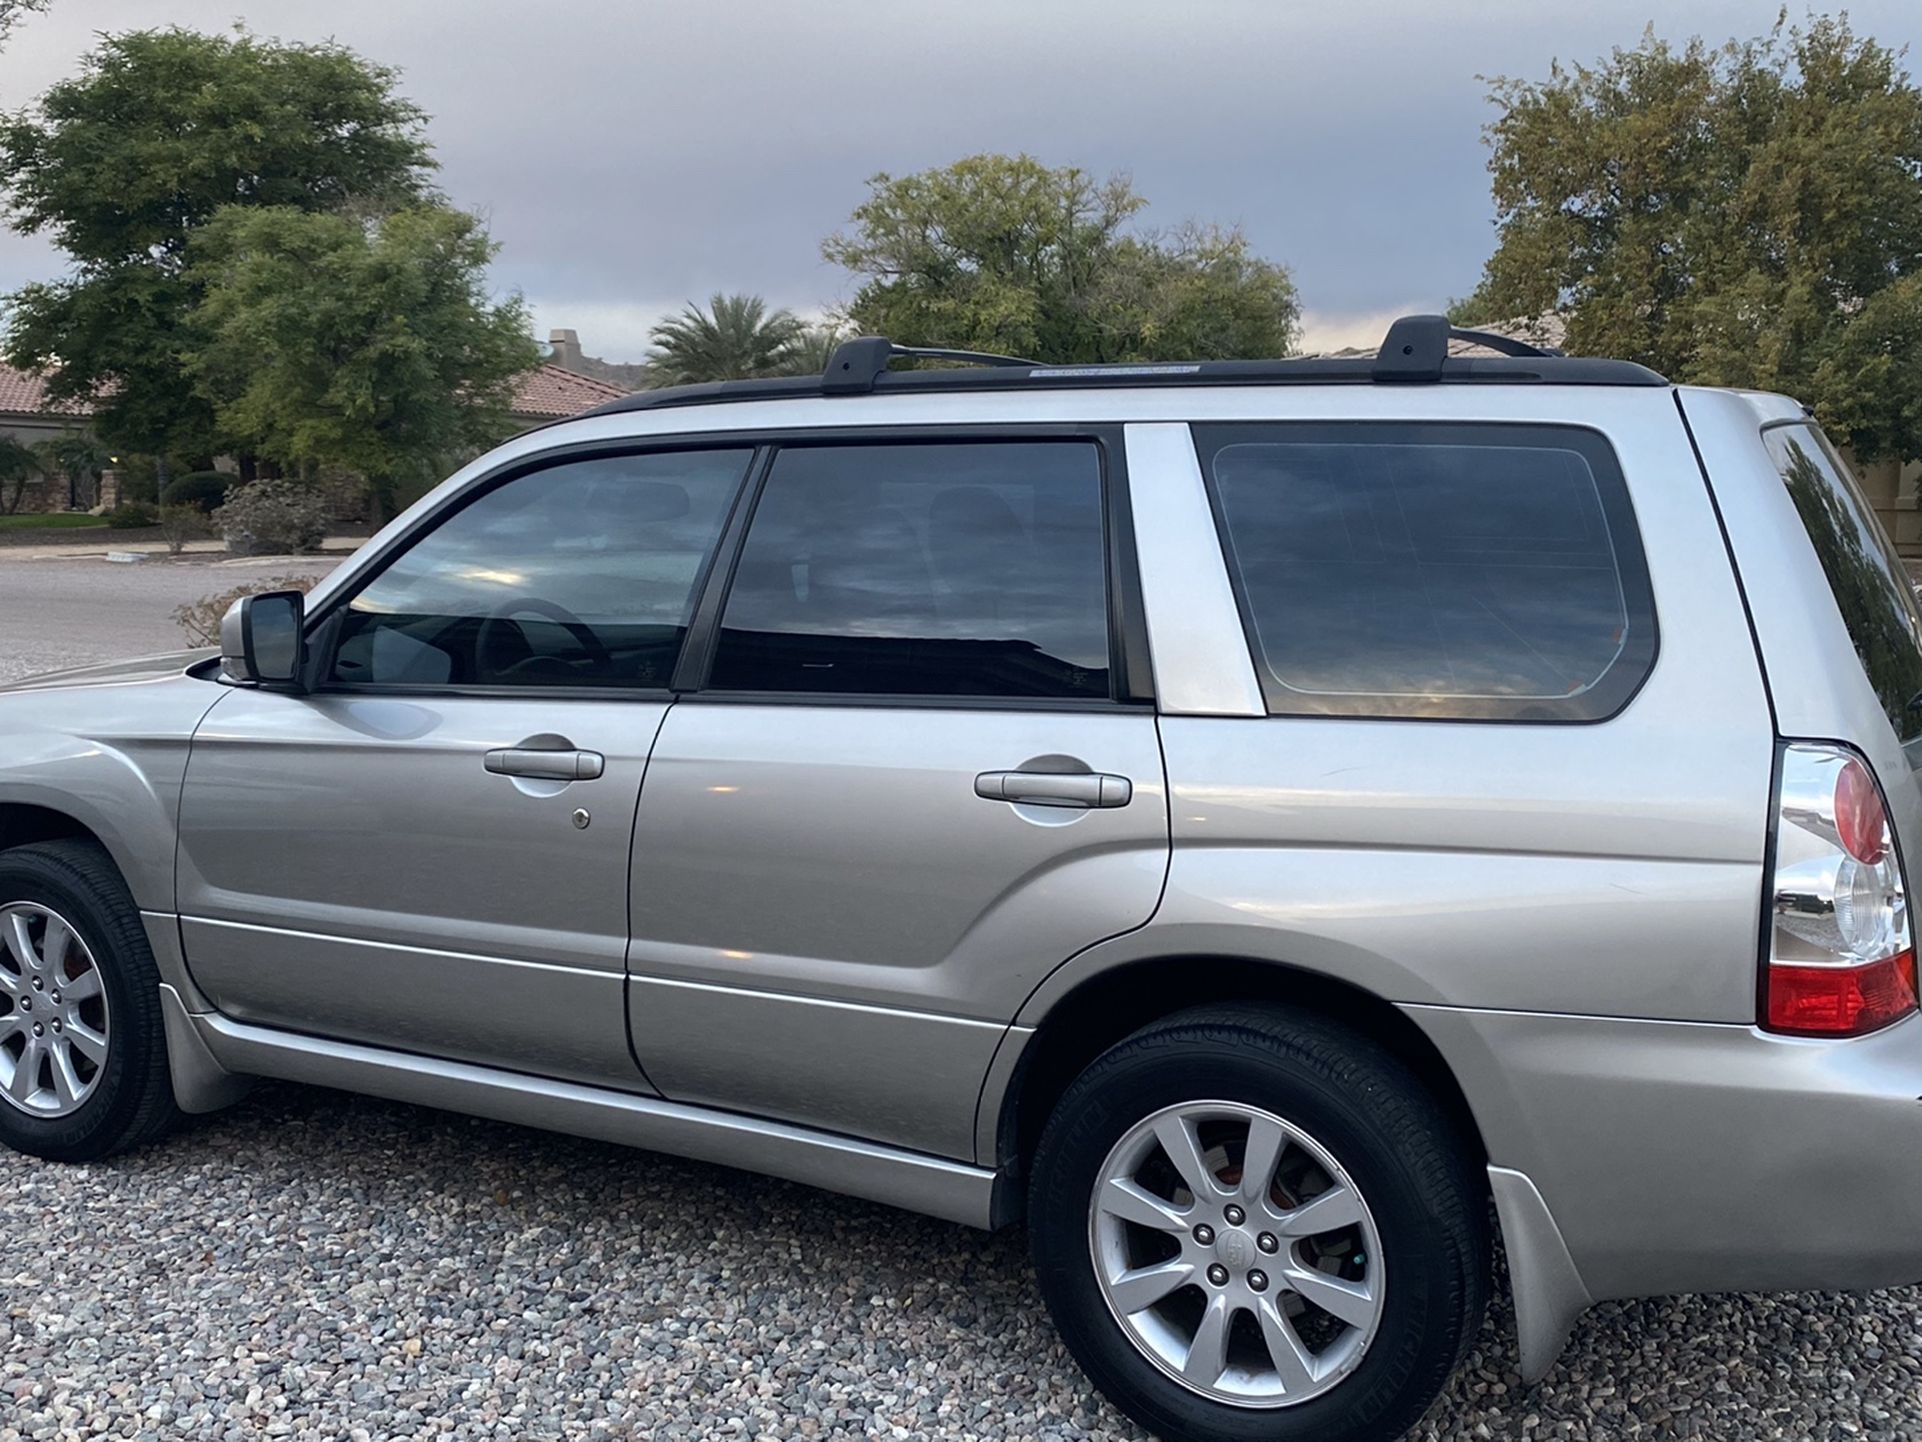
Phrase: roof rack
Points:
(1414, 352)
(856, 364)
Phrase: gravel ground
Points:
(315, 1265)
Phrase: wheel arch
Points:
(1113, 1003)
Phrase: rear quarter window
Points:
(1438, 571)
(1869, 582)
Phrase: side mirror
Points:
(260, 641)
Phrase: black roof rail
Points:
(1416, 349)
(856, 364)
(1418, 344)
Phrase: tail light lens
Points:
(1841, 958)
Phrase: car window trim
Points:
(1612, 493)
(322, 630)
(1130, 684)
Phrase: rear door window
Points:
(1441, 571)
(939, 569)
(1870, 583)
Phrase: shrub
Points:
(202, 490)
(131, 516)
(181, 524)
(201, 619)
(273, 518)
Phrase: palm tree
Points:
(737, 336)
(18, 465)
(810, 350)
(75, 456)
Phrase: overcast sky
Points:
(630, 154)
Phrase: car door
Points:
(917, 770)
(430, 850)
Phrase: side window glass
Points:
(1467, 572)
(973, 569)
(580, 574)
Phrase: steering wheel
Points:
(503, 614)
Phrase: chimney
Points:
(566, 345)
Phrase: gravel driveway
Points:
(322, 1266)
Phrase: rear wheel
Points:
(83, 1058)
(1255, 1225)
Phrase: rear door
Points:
(917, 770)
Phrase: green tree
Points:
(1743, 215)
(122, 164)
(736, 337)
(18, 465)
(373, 346)
(1002, 253)
(811, 349)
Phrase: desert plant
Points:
(273, 518)
(202, 490)
(181, 524)
(201, 619)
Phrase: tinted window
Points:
(927, 570)
(581, 574)
(1447, 571)
(1871, 585)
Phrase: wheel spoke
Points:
(10, 1023)
(66, 1081)
(1177, 1137)
(1350, 1302)
(1132, 1202)
(1266, 1140)
(1144, 1286)
(54, 942)
(20, 941)
(9, 982)
(1208, 1353)
(26, 1073)
(88, 1042)
(83, 987)
(1293, 1362)
(1334, 1209)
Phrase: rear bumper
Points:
(1691, 1157)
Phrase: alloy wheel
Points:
(54, 1026)
(1236, 1253)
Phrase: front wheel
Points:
(83, 1058)
(1252, 1224)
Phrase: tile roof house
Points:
(549, 392)
(29, 416)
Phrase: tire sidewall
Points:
(117, 1096)
(1129, 1085)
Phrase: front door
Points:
(430, 852)
(913, 780)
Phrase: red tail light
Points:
(1841, 959)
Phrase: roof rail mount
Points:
(1418, 344)
(856, 364)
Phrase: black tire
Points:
(132, 1099)
(1370, 1112)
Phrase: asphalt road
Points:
(59, 613)
(315, 1265)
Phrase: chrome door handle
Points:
(547, 765)
(1055, 788)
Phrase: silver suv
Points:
(1240, 819)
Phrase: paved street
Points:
(56, 613)
(315, 1265)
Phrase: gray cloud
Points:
(630, 154)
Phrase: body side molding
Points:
(951, 1190)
